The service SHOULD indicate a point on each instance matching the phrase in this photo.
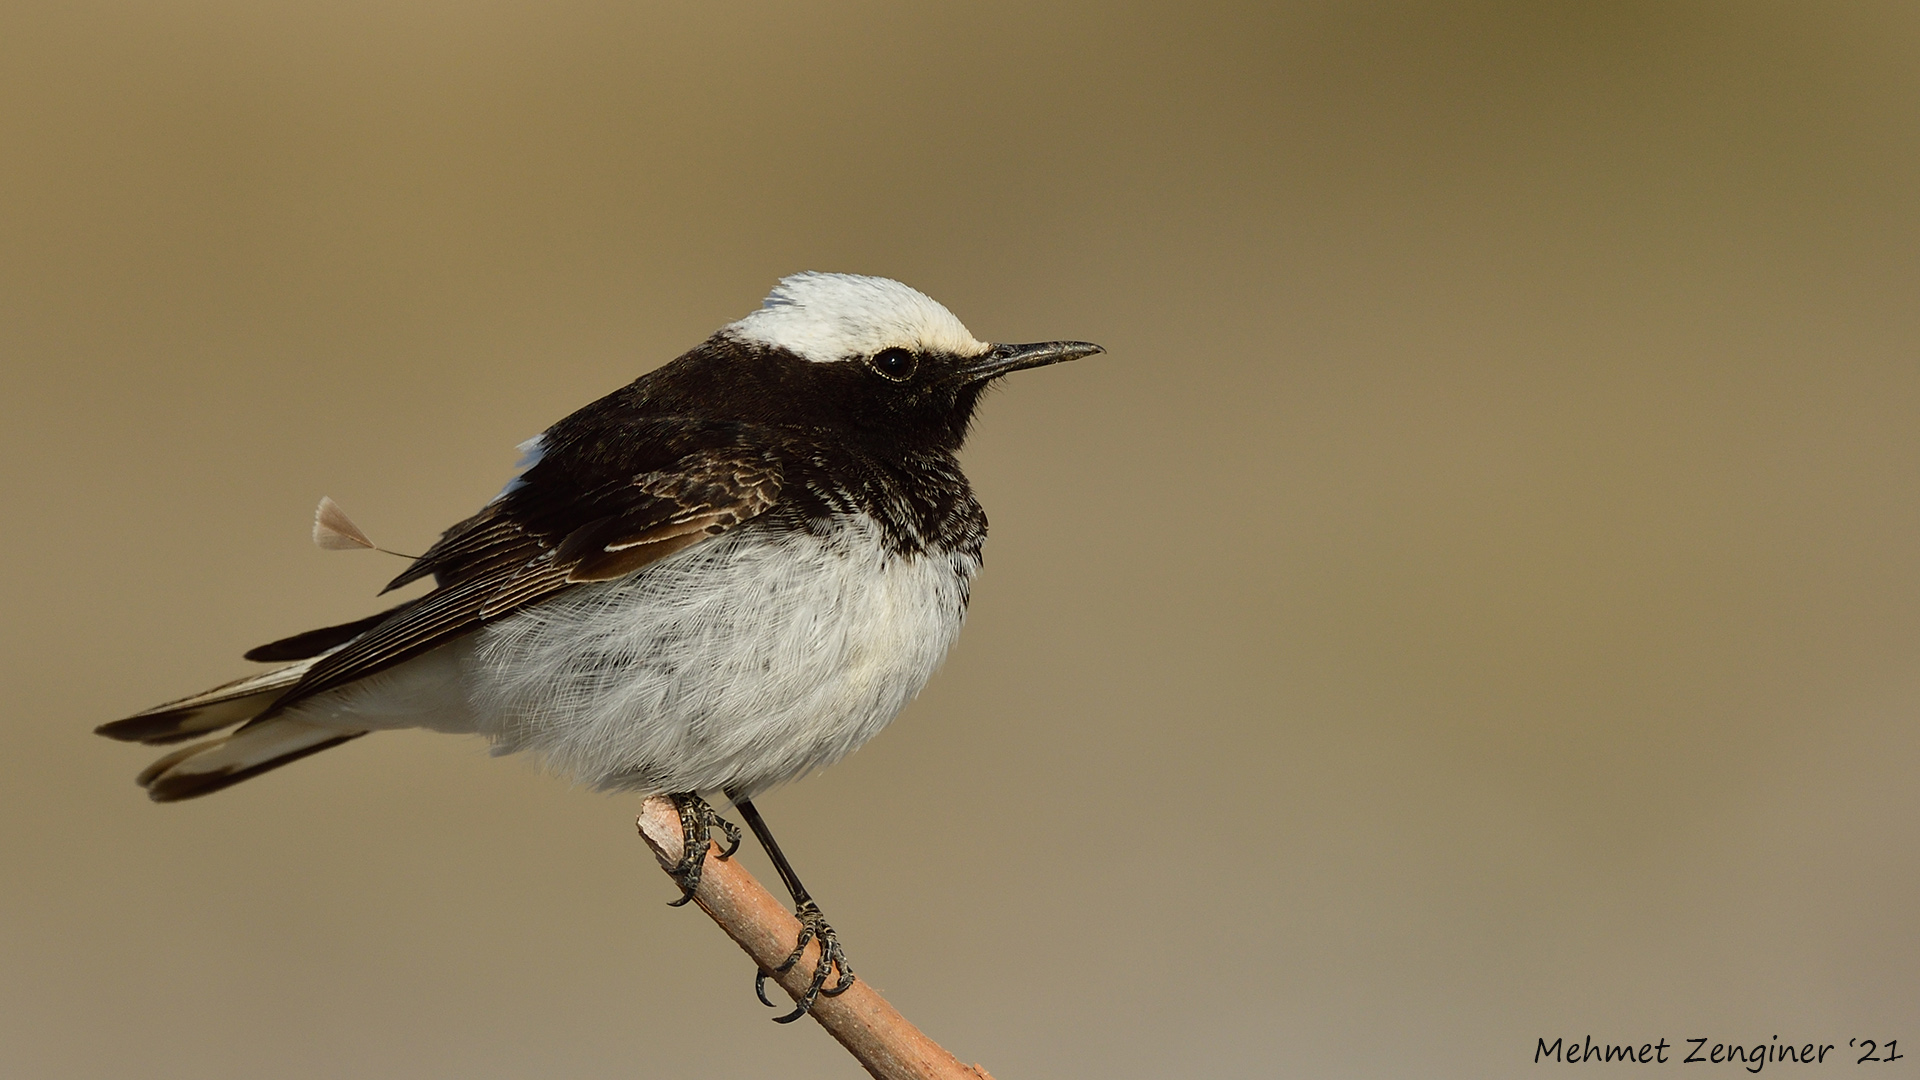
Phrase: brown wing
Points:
(314, 642)
(529, 545)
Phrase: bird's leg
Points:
(697, 821)
(812, 925)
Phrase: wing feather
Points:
(536, 541)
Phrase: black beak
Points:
(1000, 359)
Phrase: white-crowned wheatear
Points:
(733, 570)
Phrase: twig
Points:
(872, 1031)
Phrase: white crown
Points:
(827, 317)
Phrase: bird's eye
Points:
(895, 364)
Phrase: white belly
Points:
(737, 664)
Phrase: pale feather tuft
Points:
(333, 530)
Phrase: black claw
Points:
(732, 832)
(697, 821)
(844, 984)
(812, 925)
(800, 946)
(760, 988)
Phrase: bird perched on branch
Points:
(731, 571)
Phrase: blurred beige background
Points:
(1476, 599)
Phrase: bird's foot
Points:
(697, 822)
(812, 925)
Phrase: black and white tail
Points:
(265, 740)
(259, 745)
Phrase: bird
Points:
(734, 570)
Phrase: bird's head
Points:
(881, 356)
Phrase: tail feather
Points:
(223, 706)
(204, 768)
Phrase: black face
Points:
(926, 398)
(896, 399)
(902, 396)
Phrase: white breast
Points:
(736, 664)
